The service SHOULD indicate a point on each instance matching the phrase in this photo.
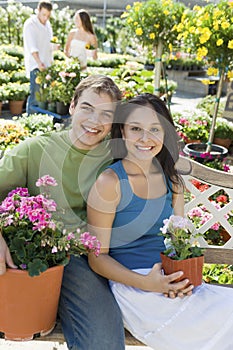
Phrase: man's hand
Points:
(5, 257)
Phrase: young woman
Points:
(126, 209)
(82, 38)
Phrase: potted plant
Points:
(192, 126)
(17, 93)
(154, 24)
(42, 95)
(183, 252)
(39, 247)
(223, 133)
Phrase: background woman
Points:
(126, 209)
(82, 38)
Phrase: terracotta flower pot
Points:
(29, 304)
(222, 142)
(192, 268)
(16, 107)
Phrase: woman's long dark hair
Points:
(169, 154)
(86, 21)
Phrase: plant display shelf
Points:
(55, 115)
(213, 255)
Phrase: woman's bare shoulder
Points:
(107, 185)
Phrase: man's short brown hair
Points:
(45, 4)
(99, 84)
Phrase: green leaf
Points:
(36, 267)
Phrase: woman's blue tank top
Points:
(136, 241)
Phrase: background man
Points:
(37, 35)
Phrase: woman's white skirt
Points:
(203, 321)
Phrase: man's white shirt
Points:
(37, 38)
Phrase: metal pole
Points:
(104, 13)
(216, 106)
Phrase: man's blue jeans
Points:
(89, 313)
(31, 101)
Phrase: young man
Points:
(37, 35)
(89, 314)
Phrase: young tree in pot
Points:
(208, 32)
(154, 24)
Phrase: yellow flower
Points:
(156, 25)
(219, 42)
(170, 47)
(206, 33)
(212, 71)
(206, 16)
(152, 36)
(166, 12)
(137, 8)
(230, 74)
(216, 25)
(139, 31)
(128, 7)
(180, 27)
(135, 23)
(207, 82)
(225, 25)
(201, 52)
(38, 80)
(217, 13)
(192, 29)
(129, 20)
(124, 15)
(137, 3)
(54, 40)
(196, 8)
(230, 44)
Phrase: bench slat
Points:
(219, 256)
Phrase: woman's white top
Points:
(78, 49)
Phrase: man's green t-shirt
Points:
(75, 171)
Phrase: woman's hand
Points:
(156, 281)
(5, 257)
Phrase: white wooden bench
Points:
(216, 255)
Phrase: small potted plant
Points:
(223, 133)
(39, 247)
(17, 93)
(183, 252)
(192, 126)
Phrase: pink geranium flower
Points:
(35, 239)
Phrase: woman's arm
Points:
(102, 203)
(94, 43)
(67, 45)
(178, 200)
